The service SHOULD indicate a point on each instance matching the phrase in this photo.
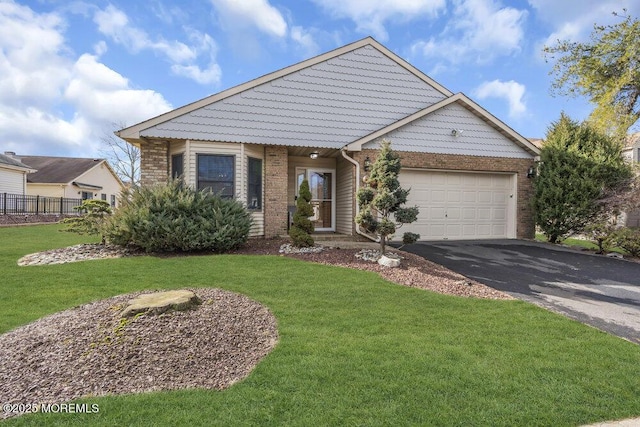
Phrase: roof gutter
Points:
(357, 166)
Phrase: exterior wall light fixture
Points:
(314, 155)
(367, 164)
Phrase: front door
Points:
(322, 185)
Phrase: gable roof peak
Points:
(133, 133)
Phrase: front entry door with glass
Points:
(322, 186)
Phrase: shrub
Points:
(92, 219)
(579, 165)
(629, 240)
(174, 217)
(602, 234)
(302, 226)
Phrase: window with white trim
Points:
(254, 183)
(217, 173)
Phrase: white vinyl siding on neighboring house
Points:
(12, 181)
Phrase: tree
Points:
(92, 220)
(606, 70)
(382, 197)
(302, 227)
(122, 156)
(578, 166)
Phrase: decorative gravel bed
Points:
(91, 351)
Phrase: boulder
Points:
(389, 260)
(160, 302)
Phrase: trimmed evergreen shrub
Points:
(302, 227)
(93, 217)
(381, 200)
(174, 217)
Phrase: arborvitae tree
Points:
(381, 199)
(578, 165)
(302, 227)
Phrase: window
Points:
(217, 172)
(177, 166)
(103, 197)
(254, 187)
(113, 200)
(87, 195)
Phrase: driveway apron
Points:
(597, 290)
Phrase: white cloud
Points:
(258, 13)
(305, 39)
(33, 64)
(370, 15)
(574, 19)
(513, 92)
(101, 94)
(115, 24)
(478, 31)
(52, 103)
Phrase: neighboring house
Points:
(632, 147)
(13, 174)
(632, 152)
(76, 178)
(322, 119)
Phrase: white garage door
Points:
(458, 205)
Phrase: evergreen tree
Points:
(578, 165)
(381, 199)
(606, 70)
(93, 216)
(302, 227)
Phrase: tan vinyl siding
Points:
(345, 175)
(48, 190)
(240, 152)
(257, 152)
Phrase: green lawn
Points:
(354, 349)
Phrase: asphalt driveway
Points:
(593, 289)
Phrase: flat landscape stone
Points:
(160, 302)
(389, 260)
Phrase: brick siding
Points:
(525, 222)
(154, 162)
(275, 190)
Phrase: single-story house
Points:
(13, 174)
(322, 119)
(71, 177)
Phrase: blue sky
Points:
(70, 69)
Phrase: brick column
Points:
(154, 162)
(275, 190)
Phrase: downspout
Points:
(357, 165)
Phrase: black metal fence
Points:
(19, 204)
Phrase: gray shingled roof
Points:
(10, 161)
(54, 170)
(329, 104)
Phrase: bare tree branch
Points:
(122, 156)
